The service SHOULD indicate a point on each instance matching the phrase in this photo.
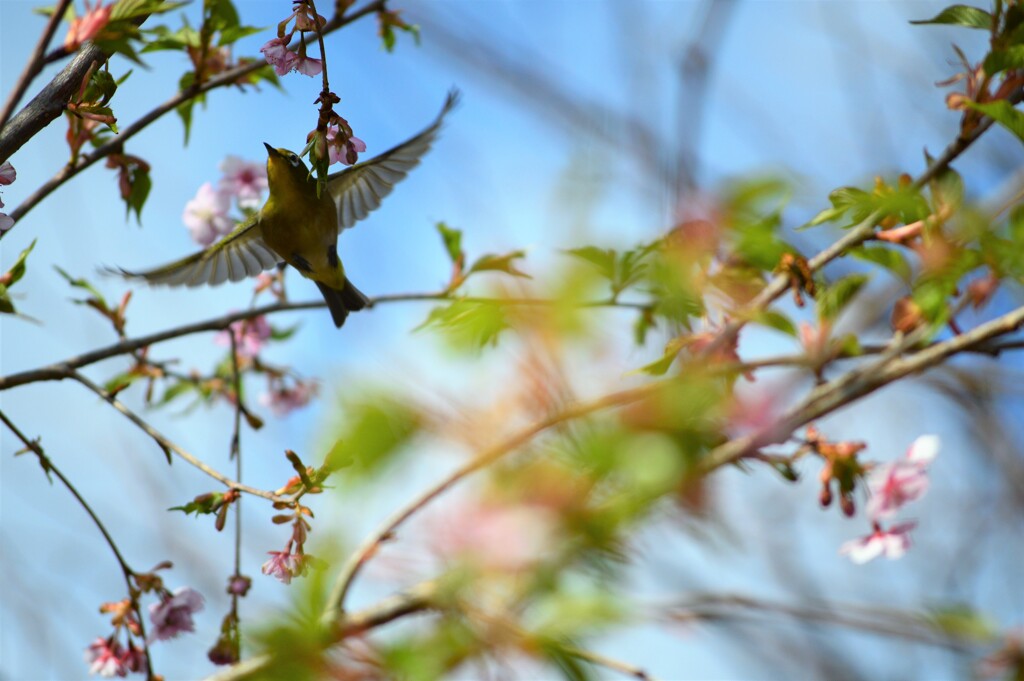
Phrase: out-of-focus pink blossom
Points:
(891, 544)
(245, 180)
(893, 485)
(7, 173)
(250, 335)
(87, 26)
(283, 60)
(343, 152)
(206, 216)
(6, 222)
(106, 658)
(495, 537)
(283, 565)
(134, 658)
(173, 614)
(283, 400)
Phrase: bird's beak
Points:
(270, 149)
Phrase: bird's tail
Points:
(340, 303)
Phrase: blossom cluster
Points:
(892, 486)
(172, 615)
(207, 215)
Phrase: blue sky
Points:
(832, 92)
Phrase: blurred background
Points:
(599, 123)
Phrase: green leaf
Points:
(500, 263)
(833, 299)
(17, 270)
(1003, 113)
(603, 259)
(890, 258)
(452, 239)
(375, 429)
(1010, 58)
(184, 110)
(469, 325)
(120, 382)
(961, 15)
(174, 391)
(6, 304)
(202, 505)
(279, 334)
(235, 33)
(139, 190)
(775, 320)
(82, 283)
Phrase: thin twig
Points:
(61, 370)
(49, 467)
(167, 445)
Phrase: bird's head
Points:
(285, 169)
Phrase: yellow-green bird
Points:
(300, 228)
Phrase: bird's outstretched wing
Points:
(360, 189)
(238, 255)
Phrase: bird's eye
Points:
(294, 159)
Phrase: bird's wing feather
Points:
(238, 255)
(360, 189)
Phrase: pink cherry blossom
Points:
(206, 216)
(245, 180)
(250, 335)
(7, 173)
(283, 565)
(308, 66)
(173, 614)
(278, 55)
(283, 400)
(343, 152)
(495, 536)
(278, 566)
(891, 544)
(283, 60)
(895, 484)
(106, 658)
(87, 26)
(6, 222)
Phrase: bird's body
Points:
(300, 228)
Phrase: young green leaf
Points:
(961, 15)
(500, 263)
(833, 299)
(452, 239)
(1003, 113)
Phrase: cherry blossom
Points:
(106, 657)
(343, 151)
(283, 60)
(283, 565)
(283, 400)
(7, 175)
(893, 485)
(250, 335)
(495, 536)
(173, 614)
(245, 180)
(87, 26)
(891, 544)
(206, 215)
